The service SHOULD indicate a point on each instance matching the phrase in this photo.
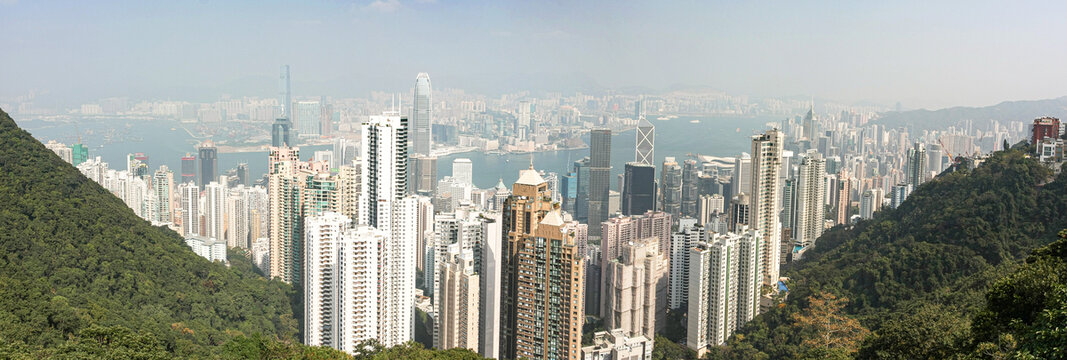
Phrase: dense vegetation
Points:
(81, 276)
(915, 277)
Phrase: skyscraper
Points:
(490, 290)
(639, 188)
(844, 198)
(79, 153)
(285, 98)
(689, 233)
(162, 195)
(636, 287)
(917, 172)
(463, 170)
(458, 295)
(422, 115)
(712, 313)
(280, 132)
(871, 202)
(423, 175)
(765, 205)
(190, 205)
(215, 211)
(543, 282)
(383, 204)
(308, 116)
(671, 187)
(188, 168)
(811, 192)
(646, 143)
(243, 177)
(581, 198)
(690, 189)
(209, 163)
(599, 177)
(341, 296)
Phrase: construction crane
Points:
(954, 160)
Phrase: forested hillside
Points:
(907, 284)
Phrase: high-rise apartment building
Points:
(162, 195)
(599, 177)
(724, 288)
(765, 198)
(61, 150)
(543, 282)
(188, 168)
(635, 289)
(458, 298)
(870, 202)
(917, 172)
(709, 206)
(688, 234)
(463, 170)
(811, 192)
(422, 116)
(190, 206)
(214, 209)
(383, 204)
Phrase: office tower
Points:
(636, 287)
(463, 170)
(708, 206)
(340, 299)
(308, 116)
(917, 171)
(599, 177)
(79, 154)
(280, 132)
(490, 290)
(870, 202)
(618, 344)
(646, 143)
(810, 128)
(688, 234)
(424, 175)
(543, 283)
(844, 198)
(1044, 127)
(764, 200)
(188, 168)
(209, 163)
(162, 195)
(190, 206)
(639, 108)
(742, 175)
(64, 152)
(671, 187)
(384, 206)
(811, 190)
(568, 187)
(639, 188)
(738, 213)
(749, 280)
(712, 312)
(457, 314)
(581, 199)
(325, 117)
(243, 177)
(285, 99)
(344, 152)
(690, 174)
(215, 210)
(422, 116)
(137, 165)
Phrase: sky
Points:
(923, 54)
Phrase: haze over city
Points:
(919, 53)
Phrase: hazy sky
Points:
(921, 53)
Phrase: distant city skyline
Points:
(940, 55)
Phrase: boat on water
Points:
(694, 121)
(662, 118)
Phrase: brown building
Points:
(636, 288)
(543, 276)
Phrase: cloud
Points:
(385, 6)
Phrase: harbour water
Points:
(165, 142)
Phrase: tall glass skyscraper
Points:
(421, 116)
(209, 163)
(285, 98)
(599, 178)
